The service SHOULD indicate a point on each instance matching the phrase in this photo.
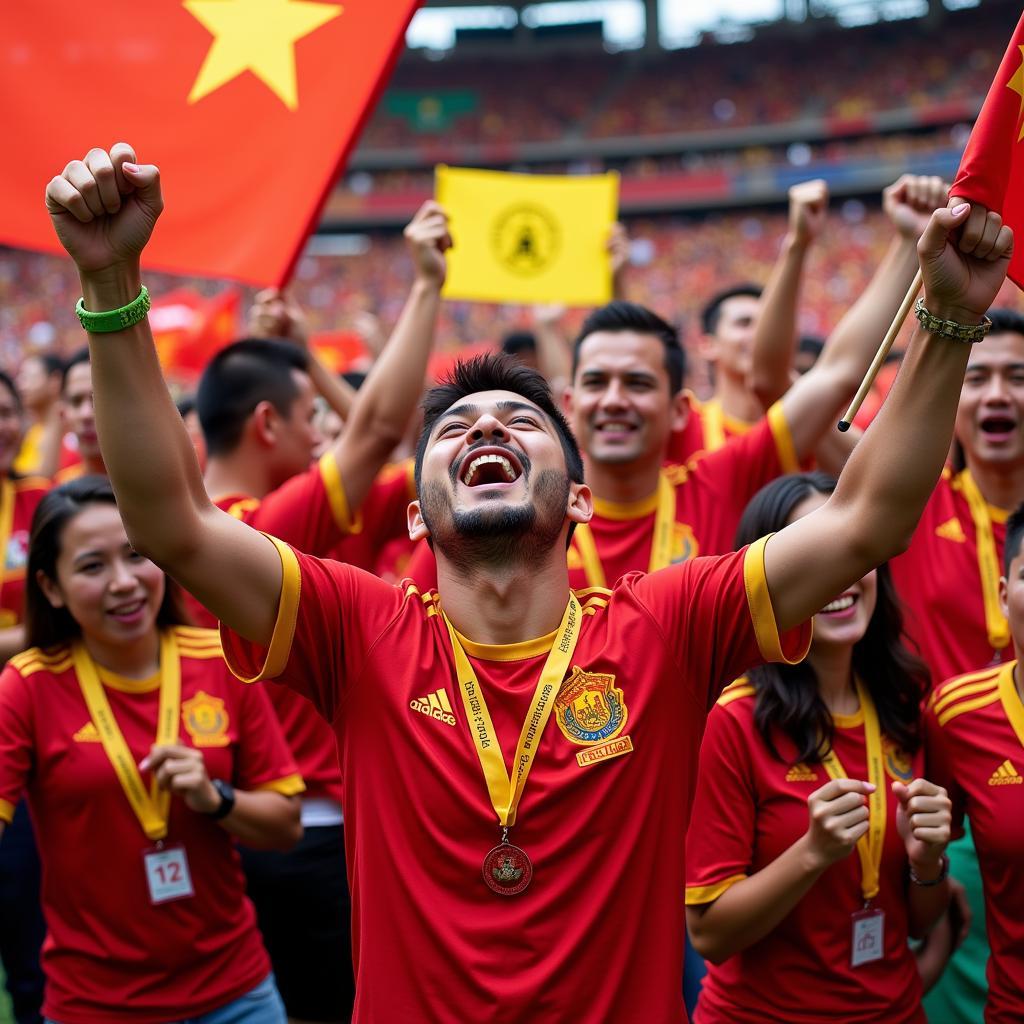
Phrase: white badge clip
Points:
(868, 937)
(167, 874)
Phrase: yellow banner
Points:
(529, 237)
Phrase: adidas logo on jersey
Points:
(434, 705)
(801, 773)
(1005, 775)
(87, 734)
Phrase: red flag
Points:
(992, 169)
(341, 351)
(188, 329)
(249, 108)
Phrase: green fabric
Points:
(959, 995)
(430, 111)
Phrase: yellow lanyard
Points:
(661, 544)
(712, 418)
(988, 562)
(869, 846)
(150, 808)
(506, 792)
(7, 499)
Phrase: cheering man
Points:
(495, 879)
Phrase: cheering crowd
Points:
(781, 661)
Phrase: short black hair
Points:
(186, 404)
(1006, 321)
(629, 316)
(237, 379)
(516, 342)
(354, 379)
(496, 373)
(1014, 536)
(52, 364)
(710, 314)
(75, 359)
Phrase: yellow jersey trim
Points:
(969, 705)
(762, 613)
(290, 785)
(959, 682)
(735, 693)
(625, 510)
(698, 894)
(239, 508)
(849, 721)
(508, 652)
(126, 685)
(336, 497)
(967, 690)
(783, 439)
(36, 660)
(6, 811)
(1011, 699)
(287, 614)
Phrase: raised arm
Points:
(104, 209)
(883, 489)
(775, 335)
(815, 401)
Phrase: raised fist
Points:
(909, 202)
(275, 314)
(428, 239)
(808, 209)
(964, 253)
(104, 207)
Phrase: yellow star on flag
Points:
(1017, 85)
(257, 36)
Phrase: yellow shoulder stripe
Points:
(585, 593)
(697, 894)
(6, 811)
(34, 660)
(943, 700)
(33, 483)
(992, 672)
(969, 705)
(731, 694)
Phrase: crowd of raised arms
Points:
(281, 660)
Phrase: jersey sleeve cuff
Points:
(6, 811)
(791, 648)
(290, 785)
(784, 447)
(276, 657)
(336, 497)
(698, 894)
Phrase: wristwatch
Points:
(950, 328)
(227, 799)
(943, 875)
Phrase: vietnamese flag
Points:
(992, 169)
(248, 107)
(189, 330)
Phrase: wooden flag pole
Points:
(882, 354)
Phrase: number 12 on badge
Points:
(868, 937)
(167, 874)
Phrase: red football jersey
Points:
(597, 935)
(711, 494)
(975, 730)
(310, 511)
(707, 429)
(939, 581)
(749, 808)
(18, 501)
(110, 954)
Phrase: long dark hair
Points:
(787, 697)
(45, 625)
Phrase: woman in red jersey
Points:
(817, 847)
(142, 891)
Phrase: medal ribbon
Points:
(505, 792)
(996, 626)
(152, 807)
(869, 846)
(661, 545)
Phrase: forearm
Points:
(554, 358)
(336, 392)
(926, 903)
(145, 446)
(264, 820)
(776, 333)
(749, 910)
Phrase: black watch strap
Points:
(227, 799)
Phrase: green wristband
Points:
(114, 319)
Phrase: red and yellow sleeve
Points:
(791, 647)
(17, 743)
(720, 851)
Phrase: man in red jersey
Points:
(480, 893)
(975, 733)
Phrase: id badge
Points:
(868, 937)
(167, 874)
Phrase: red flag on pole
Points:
(189, 329)
(249, 108)
(992, 169)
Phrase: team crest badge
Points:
(897, 764)
(206, 720)
(684, 544)
(590, 708)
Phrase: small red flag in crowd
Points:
(992, 169)
(189, 329)
(248, 107)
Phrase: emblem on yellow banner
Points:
(526, 239)
(206, 720)
(590, 708)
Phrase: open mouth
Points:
(997, 427)
(841, 604)
(490, 468)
